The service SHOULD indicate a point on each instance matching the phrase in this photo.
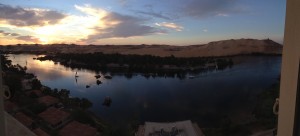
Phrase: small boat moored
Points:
(98, 82)
(76, 74)
(97, 76)
(108, 76)
(107, 101)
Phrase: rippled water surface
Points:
(205, 99)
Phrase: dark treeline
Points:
(27, 101)
(139, 63)
(14, 74)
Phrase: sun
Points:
(44, 40)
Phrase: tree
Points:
(36, 84)
(85, 103)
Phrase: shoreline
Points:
(213, 49)
(144, 64)
(32, 90)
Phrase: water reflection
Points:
(206, 98)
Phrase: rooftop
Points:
(48, 100)
(15, 128)
(76, 129)
(180, 128)
(24, 119)
(53, 115)
(40, 132)
(10, 106)
(36, 92)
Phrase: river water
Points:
(205, 99)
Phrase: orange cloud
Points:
(47, 26)
(170, 26)
(18, 16)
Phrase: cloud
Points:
(123, 2)
(28, 39)
(89, 10)
(207, 8)
(222, 15)
(170, 26)
(87, 28)
(148, 6)
(205, 30)
(116, 25)
(149, 11)
(15, 36)
(18, 16)
(154, 14)
(178, 9)
(8, 34)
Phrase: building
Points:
(55, 118)
(77, 129)
(37, 93)
(48, 100)
(26, 84)
(24, 119)
(13, 127)
(180, 128)
(10, 107)
(40, 132)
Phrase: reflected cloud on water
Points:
(205, 98)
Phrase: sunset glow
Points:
(101, 22)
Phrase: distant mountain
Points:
(235, 47)
(217, 48)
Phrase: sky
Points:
(123, 22)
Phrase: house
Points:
(77, 129)
(10, 106)
(24, 119)
(54, 117)
(26, 84)
(48, 100)
(186, 128)
(37, 93)
(40, 132)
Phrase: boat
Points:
(98, 82)
(97, 76)
(107, 101)
(108, 76)
(87, 86)
(191, 77)
(76, 74)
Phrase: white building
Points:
(180, 128)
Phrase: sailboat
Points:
(97, 76)
(76, 75)
(108, 76)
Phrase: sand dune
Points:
(218, 48)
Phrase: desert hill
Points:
(217, 48)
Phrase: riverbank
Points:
(213, 49)
(146, 64)
(207, 99)
(41, 108)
